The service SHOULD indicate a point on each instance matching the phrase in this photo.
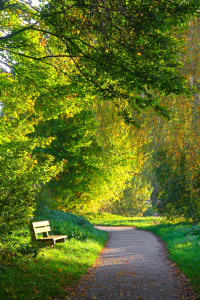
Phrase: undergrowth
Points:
(35, 271)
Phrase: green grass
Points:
(107, 219)
(27, 272)
(182, 239)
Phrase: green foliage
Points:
(173, 185)
(135, 200)
(96, 46)
(66, 59)
(105, 41)
(21, 178)
(97, 160)
(175, 195)
(174, 164)
(74, 142)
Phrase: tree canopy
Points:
(93, 43)
(75, 75)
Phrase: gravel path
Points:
(133, 265)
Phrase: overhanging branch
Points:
(11, 35)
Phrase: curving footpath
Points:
(134, 266)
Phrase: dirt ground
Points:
(133, 265)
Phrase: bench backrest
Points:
(39, 227)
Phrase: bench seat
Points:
(54, 239)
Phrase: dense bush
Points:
(66, 223)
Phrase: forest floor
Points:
(133, 265)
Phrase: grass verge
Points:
(182, 240)
(30, 272)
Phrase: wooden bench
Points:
(44, 228)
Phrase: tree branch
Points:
(17, 32)
(44, 57)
